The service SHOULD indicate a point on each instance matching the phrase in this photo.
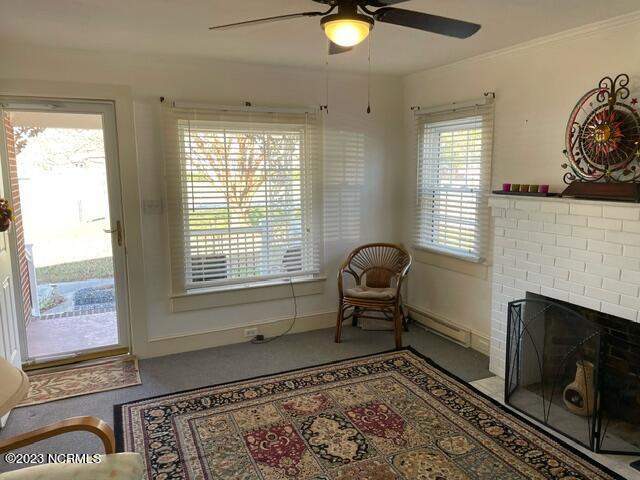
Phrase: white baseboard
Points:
(450, 330)
(160, 346)
(480, 343)
(438, 324)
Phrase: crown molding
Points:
(576, 32)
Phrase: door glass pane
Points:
(61, 202)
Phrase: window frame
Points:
(183, 284)
(442, 120)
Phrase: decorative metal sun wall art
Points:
(603, 135)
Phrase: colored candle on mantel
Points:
(525, 188)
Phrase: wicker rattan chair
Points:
(378, 270)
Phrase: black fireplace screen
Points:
(560, 372)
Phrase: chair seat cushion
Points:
(370, 293)
(118, 466)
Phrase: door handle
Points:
(117, 231)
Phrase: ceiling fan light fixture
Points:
(347, 31)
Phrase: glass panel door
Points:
(68, 228)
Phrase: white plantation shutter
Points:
(454, 168)
(241, 194)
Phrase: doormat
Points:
(391, 416)
(73, 382)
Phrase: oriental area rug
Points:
(388, 416)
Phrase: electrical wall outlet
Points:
(250, 332)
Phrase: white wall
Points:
(358, 208)
(369, 193)
(536, 87)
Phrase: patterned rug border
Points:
(134, 359)
(118, 408)
(520, 418)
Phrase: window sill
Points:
(245, 293)
(451, 262)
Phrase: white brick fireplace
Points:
(578, 251)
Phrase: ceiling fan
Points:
(353, 21)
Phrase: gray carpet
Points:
(234, 362)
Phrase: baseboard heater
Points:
(442, 327)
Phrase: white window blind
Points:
(241, 194)
(454, 167)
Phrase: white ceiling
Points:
(179, 27)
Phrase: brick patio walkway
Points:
(52, 336)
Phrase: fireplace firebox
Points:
(575, 370)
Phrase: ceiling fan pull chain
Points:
(326, 81)
(369, 77)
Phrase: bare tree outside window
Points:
(22, 136)
(244, 198)
(247, 168)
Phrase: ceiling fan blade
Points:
(266, 20)
(383, 3)
(427, 22)
(335, 49)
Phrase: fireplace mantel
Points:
(584, 252)
(535, 198)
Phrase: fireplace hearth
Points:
(576, 370)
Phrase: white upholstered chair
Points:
(112, 466)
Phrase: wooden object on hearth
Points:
(625, 192)
(579, 396)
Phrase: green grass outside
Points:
(76, 271)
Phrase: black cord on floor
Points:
(293, 322)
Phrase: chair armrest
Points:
(85, 424)
(341, 272)
(401, 277)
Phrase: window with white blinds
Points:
(241, 194)
(454, 165)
